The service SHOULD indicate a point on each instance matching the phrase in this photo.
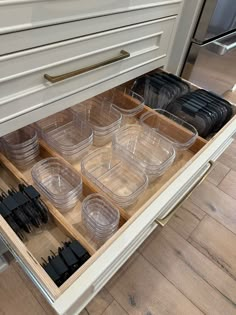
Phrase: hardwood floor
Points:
(189, 267)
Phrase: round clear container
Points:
(120, 180)
(181, 134)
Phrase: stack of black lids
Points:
(160, 88)
(206, 111)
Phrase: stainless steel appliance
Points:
(211, 60)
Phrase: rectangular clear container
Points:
(119, 179)
(180, 133)
(100, 217)
(71, 138)
(146, 149)
(59, 182)
(21, 146)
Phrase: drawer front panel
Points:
(107, 267)
(18, 15)
(23, 87)
(27, 39)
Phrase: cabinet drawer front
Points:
(18, 15)
(23, 87)
(35, 37)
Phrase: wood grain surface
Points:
(217, 243)
(189, 267)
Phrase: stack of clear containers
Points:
(120, 180)
(146, 149)
(128, 103)
(71, 138)
(100, 217)
(21, 146)
(59, 182)
(181, 134)
(102, 118)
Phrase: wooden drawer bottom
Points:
(136, 222)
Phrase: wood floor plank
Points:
(99, 304)
(36, 293)
(166, 253)
(170, 242)
(218, 173)
(216, 203)
(15, 297)
(141, 289)
(184, 222)
(217, 243)
(115, 309)
(228, 158)
(228, 184)
(195, 210)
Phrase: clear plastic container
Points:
(21, 138)
(119, 179)
(59, 182)
(102, 118)
(70, 137)
(100, 217)
(128, 103)
(180, 133)
(148, 150)
(21, 146)
(54, 122)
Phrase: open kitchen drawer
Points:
(156, 206)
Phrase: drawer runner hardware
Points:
(165, 220)
(53, 79)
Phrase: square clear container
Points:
(119, 179)
(127, 102)
(101, 116)
(54, 122)
(146, 149)
(181, 134)
(59, 182)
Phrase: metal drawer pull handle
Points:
(165, 220)
(224, 45)
(53, 79)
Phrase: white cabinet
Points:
(97, 58)
(75, 65)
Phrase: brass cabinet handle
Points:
(53, 79)
(165, 220)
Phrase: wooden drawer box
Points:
(98, 58)
(156, 206)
